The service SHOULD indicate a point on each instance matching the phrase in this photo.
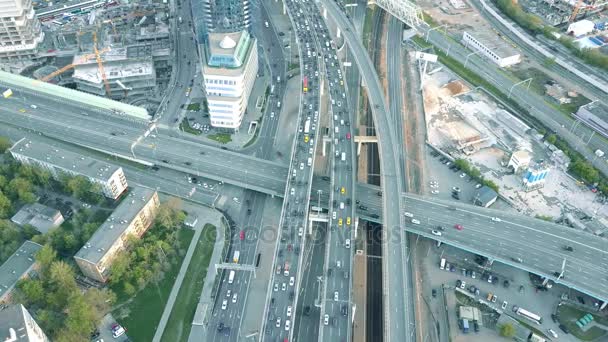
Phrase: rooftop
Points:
(40, 216)
(17, 265)
(105, 236)
(227, 53)
(486, 194)
(14, 322)
(493, 42)
(598, 109)
(65, 159)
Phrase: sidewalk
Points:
(205, 215)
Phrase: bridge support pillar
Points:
(603, 306)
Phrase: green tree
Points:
(507, 330)
(22, 189)
(6, 206)
(5, 144)
(45, 257)
(32, 290)
(78, 186)
(62, 284)
(552, 139)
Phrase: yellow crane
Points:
(100, 65)
(70, 66)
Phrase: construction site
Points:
(558, 12)
(106, 48)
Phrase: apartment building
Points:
(229, 71)
(58, 161)
(131, 218)
(16, 324)
(18, 266)
(20, 31)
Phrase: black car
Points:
(362, 207)
(374, 216)
(155, 168)
(344, 310)
(505, 283)
(348, 201)
(554, 318)
(248, 211)
(458, 283)
(564, 328)
(434, 293)
(455, 196)
(476, 326)
(188, 163)
(568, 248)
(379, 193)
(306, 310)
(165, 161)
(95, 334)
(440, 228)
(325, 178)
(291, 295)
(220, 326)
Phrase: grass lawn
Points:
(194, 106)
(222, 138)
(145, 309)
(180, 321)
(185, 126)
(568, 315)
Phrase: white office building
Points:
(230, 66)
(58, 161)
(492, 47)
(20, 31)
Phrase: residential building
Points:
(594, 115)
(39, 216)
(57, 161)
(16, 324)
(127, 77)
(211, 16)
(485, 197)
(494, 48)
(131, 218)
(18, 266)
(535, 176)
(20, 31)
(230, 66)
(519, 160)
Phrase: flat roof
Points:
(120, 71)
(39, 216)
(597, 108)
(105, 236)
(495, 43)
(65, 159)
(36, 88)
(17, 265)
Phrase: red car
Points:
(348, 136)
(458, 226)
(242, 235)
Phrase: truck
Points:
(465, 325)
(235, 258)
(307, 126)
(343, 156)
(442, 264)
(231, 277)
(7, 93)
(286, 269)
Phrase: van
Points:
(309, 161)
(231, 277)
(442, 264)
(343, 156)
(341, 205)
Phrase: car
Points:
(476, 326)
(348, 220)
(436, 232)
(229, 293)
(301, 166)
(473, 275)
(435, 192)
(326, 319)
(283, 287)
(276, 286)
(234, 297)
(521, 289)
(300, 231)
(462, 175)
(347, 243)
(458, 283)
(554, 318)
(278, 323)
(344, 310)
(496, 219)
(292, 191)
(506, 283)
(242, 235)
(292, 281)
(342, 190)
(434, 293)
(336, 296)
(338, 263)
(472, 289)
(490, 279)
(287, 324)
(348, 136)
(455, 196)
(479, 185)
(564, 329)
(408, 214)
(333, 215)
(307, 310)
(224, 304)
(568, 248)
(452, 268)
(552, 333)
(463, 285)
(504, 304)
(340, 221)
(458, 226)
(456, 189)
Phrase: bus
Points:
(305, 86)
(231, 277)
(307, 126)
(529, 315)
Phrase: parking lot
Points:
(105, 331)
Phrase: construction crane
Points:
(100, 65)
(577, 8)
(70, 66)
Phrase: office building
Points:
(17, 325)
(212, 16)
(230, 66)
(39, 216)
(519, 161)
(20, 31)
(18, 266)
(594, 115)
(131, 218)
(58, 161)
(494, 48)
(535, 177)
(485, 197)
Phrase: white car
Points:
(347, 243)
(33, 106)
(276, 287)
(287, 325)
(462, 175)
(224, 304)
(283, 287)
(118, 331)
(463, 285)
(278, 325)
(408, 214)
(289, 311)
(326, 319)
(228, 293)
(552, 333)
(292, 281)
(301, 166)
(310, 150)
(435, 192)
(292, 191)
(333, 215)
(436, 232)
(234, 298)
(504, 304)
(336, 295)
(414, 221)
(300, 231)
(496, 219)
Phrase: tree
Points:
(100, 302)
(507, 330)
(552, 139)
(6, 206)
(5, 144)
(78, 186)
(32, 290)
(22, 189)
(45, 258)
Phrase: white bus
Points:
(231, 277)
(442, 264)
(307, 126)
(529, 315)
